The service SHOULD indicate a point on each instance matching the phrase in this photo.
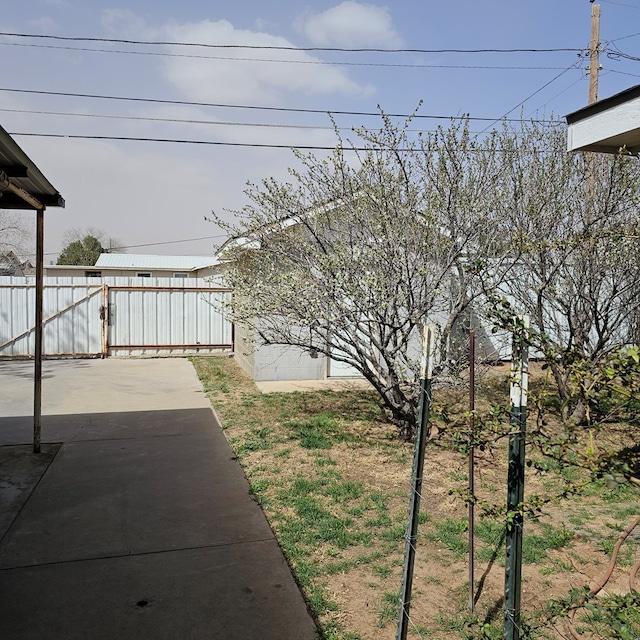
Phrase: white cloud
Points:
(44, 25)
(124, 23)
(251, 78)
(350, 24)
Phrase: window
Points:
(143, 274)
(180, 274)
(93, 274)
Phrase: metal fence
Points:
(99, 317)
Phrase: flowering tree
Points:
(361, 248)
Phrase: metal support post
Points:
(37, 382)
(515, 483)
(422, 432)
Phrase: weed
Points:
(381, 520)
(319, 431)
(394, 533)
(382, 570)
(332, 568)
(388, 611)
(535, 547)
(626, 553)
(335, 631)
(346, 491)
(449, 532)
(258, 489)
(578, 518)
(256, 440)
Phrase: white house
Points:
(607, 126)
(140, 266)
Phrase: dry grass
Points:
(333, 481)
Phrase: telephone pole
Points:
(594, 50)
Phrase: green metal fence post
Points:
(424, 408)
(515, 483)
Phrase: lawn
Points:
(333, 479)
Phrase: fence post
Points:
(471, 479)
(515, 481)
(424, 408)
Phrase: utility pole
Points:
(594, 50)
(594, 69)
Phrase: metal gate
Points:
(157, 319)
(112, 317)
(71, 316)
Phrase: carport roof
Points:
(23, 173)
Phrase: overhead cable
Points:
(282, 47)
(217, 143)
(544, 86)
(241, 106)
(165, 54)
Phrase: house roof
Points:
(20, 170)
(138, 261)
(607, 125)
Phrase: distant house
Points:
(273, 362)
(140, 266)
(11, 265)
(607, 126)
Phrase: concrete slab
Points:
(124, 497)
(233, 592)
(100, 386)
(107, 426)
(20, 472)
(329, 384)
(136, 521)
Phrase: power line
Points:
(157, 244)
(275, 60)
(544, 86)
(240, 106)
(621, 4)
(172, 120)
(617, 54)
(633, 35)
(284, 48)
(624, 73)
(211, 122)
(573, 84)
(216, 143)
(253, 145)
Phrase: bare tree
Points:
(575, 230)
(15, 232)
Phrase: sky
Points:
(74, 102)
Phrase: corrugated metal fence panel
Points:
(17, 311)
(167, 316)
(147, 316)
(71, 315)
(78, 330)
